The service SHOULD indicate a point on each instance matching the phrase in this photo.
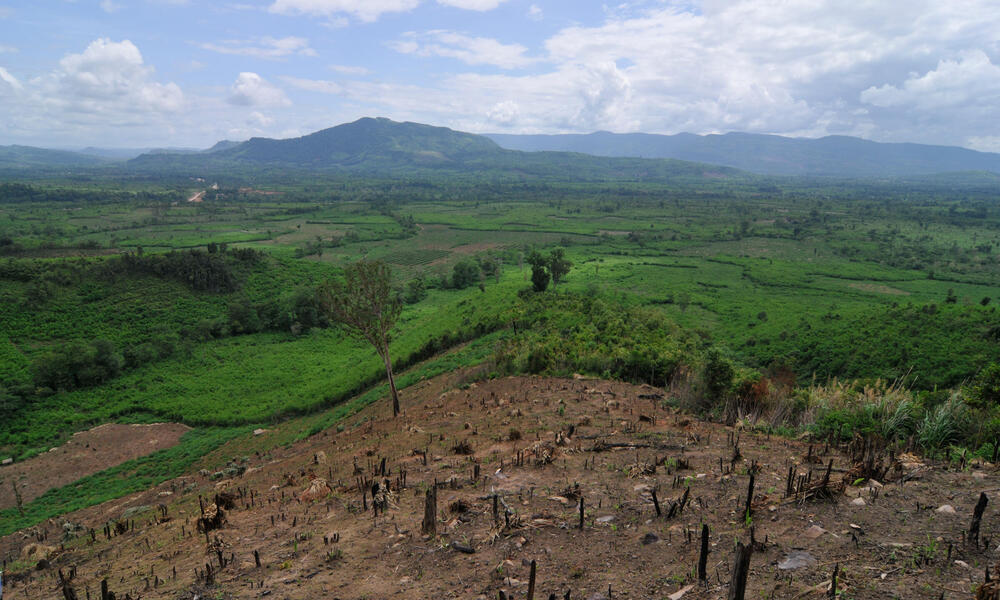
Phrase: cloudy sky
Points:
(192, 72)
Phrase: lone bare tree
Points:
(368, 306)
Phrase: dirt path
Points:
(85, 453)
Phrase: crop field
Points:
(823, 285)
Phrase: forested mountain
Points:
(768, 154)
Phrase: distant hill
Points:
(27, 157)
(382, 146)
(768, 154)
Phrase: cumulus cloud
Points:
(468, 49)
(535, 12)
(364, 10)
(264, 47)
(250, 89)
(970, 78)
(110, 76)
(109, 7)
(7, 49)
(504, 113)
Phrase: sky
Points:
(188, 73)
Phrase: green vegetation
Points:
(789, 303)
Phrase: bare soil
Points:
(85, 453)
(623, 445)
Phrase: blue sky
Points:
(190, 72)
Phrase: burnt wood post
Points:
(703, 556)
(531, 582)
(741, 569)
(429, 526)
(977, 517)
(748, 511)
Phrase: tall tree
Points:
(558, 265)
(367, 305)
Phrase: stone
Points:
(796, 560)
(650, 538)
(7, 461)
(945, 509)
(858, 502)
(259, 431)
(605, 519)
(813, 532)
(680, 593)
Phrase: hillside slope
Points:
(512, 461)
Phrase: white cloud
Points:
(349, 69)
(8, 49)
(468, 49)
(314, 85)
(109, 7)
(10, 80)
(264, 47)
(504, 113)
(480, 5)
(110, 76)
(535, 12)
(364, 10)
(971, 78)
(250, 89)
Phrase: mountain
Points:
(383, 147)
(768, 154)
(28, 157)
(367, 140)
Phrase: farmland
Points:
(801, 280)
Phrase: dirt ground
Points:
(85, 453)
(540, 445)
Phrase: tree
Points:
(558, 265)
(368, 307)
(539, 273)
(464, 273)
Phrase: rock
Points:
(259, 431)
(463, 548)
(318, 489)
(858, 502)
(796, 560)
(7, 461)
(560, 499)
(962, 564)
(320, 458)
(165, 493)
(813, 532)
(605, 519)
(650, 538)
(598, 596)
(945, 509)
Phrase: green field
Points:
(820, 280)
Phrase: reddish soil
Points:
(85, 453)
(897, 545)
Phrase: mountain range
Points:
(382, 146)
(839, 156)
